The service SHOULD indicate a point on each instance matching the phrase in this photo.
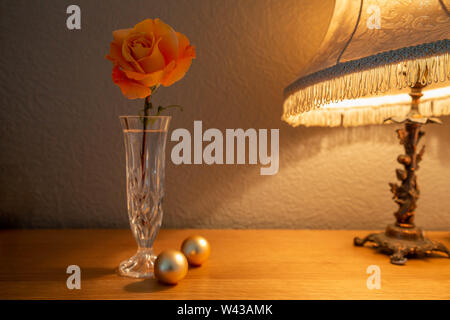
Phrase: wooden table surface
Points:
(244, 264)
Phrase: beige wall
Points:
(62, 159)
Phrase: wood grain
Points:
(244, 264)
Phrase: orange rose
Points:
(148, 55)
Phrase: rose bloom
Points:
(148, 55)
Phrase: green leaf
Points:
(161, 108)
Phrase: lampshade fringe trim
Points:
(352, 117)
(300, 106)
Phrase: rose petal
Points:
(148, 80)
(185, 49)
(190, 52)
(130, 88)
(147, 26)
(121, 34)
(126, 53)
(186, 54)
(181, 67)
(139, 65)
(154, 62)
(183, 43)
(169, 41)
(140, 51)
(115, 55)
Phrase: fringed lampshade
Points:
(380, 61)
(373, 48)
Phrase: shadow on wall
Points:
(316, 164)
(333, 178)
(317, 139)
(62, 161)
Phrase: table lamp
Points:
(382, 61)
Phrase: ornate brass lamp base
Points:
(401, 242)
(403, 238)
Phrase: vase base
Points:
(140, 266)
(400, 242)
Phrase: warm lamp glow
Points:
(373, 110)
(374, 48)
(398, 99)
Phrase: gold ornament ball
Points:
(196, 249)
(170, 266)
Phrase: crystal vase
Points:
(145, 144)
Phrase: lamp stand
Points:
(403, 238)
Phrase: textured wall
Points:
(62, 158)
